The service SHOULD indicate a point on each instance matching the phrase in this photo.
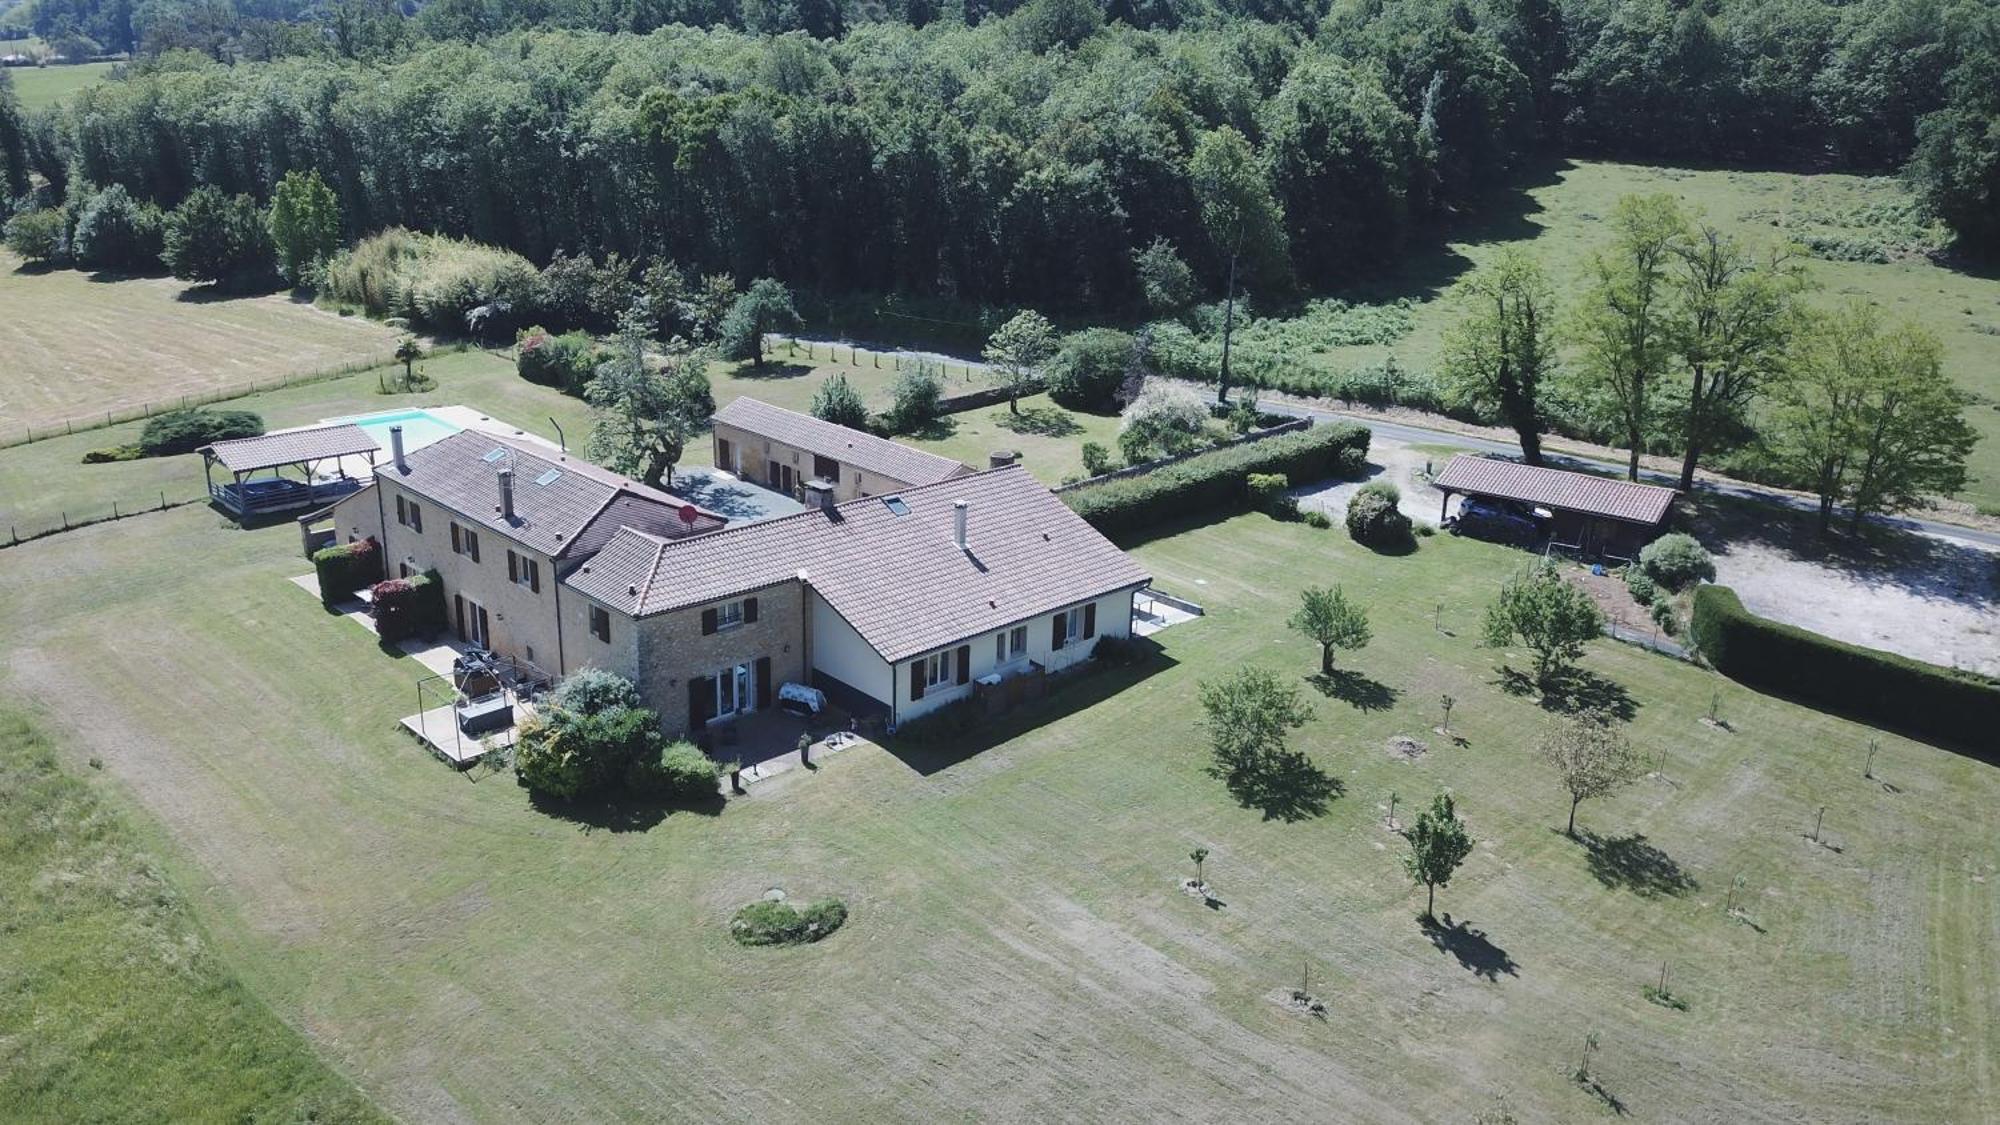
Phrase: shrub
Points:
(42, 237)
(1642, 586)
(1374, 520)
(1663, 616)
(1166, 420)
(574, 292)
(947, 722)
(915, 398)
(1116, 651)
(566, 753)
(1318, 519)
(564, 361)
(408, 607)
(1217, 480)
(116, 232)
(113, 453)
(687, 774)
(593, 689)
(184, 431)
(1096, 459)
(777, 923)
(433, 280)
(1949, 705)
(1267, 494)
(1676, 561)
(212, 237)
(1088, 369)
(838, 402)
(346, 567)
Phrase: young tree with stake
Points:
(1439, 843)
(1552, 617)
(1591, 758)
(1325, 615)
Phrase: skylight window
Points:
(549, 478)
(497, 453)
(895, 505)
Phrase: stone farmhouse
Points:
(783, 450)
(893, 603)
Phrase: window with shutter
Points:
(1056, 631)
(457, 541)
(763, 667)
(749, 611)
(534, 576)
(600, 624)
(1089, 620)
(917, 680)
(416, 516)
(964, 663)
(513, 567)
(472, 544)
(708, 621)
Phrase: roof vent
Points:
(632, 591)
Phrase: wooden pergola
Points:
(246, 496)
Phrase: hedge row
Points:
(1945, 705)
(345, 568)
(409, 607)
(1219, 480)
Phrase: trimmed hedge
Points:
(1219, 480)
(345, 568)
(409, 607)
(184, 431)
(1947, 705)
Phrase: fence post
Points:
(163, 501)
(114, 511)
(65, 519)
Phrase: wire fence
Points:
(27, 433)
(19, 532)
(853, 355)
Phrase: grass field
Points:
(1559, 218)
(77, 347)
(1019, 945)
(1048, 438)
(42, 86)
(114, 1007)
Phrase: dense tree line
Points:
(1035, 155)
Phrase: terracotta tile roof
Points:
(556, 496)
(1556, 489)
(871, 454)
(290, 447)
(900, 580)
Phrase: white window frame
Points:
(526, 572)
(728, 615)
(1010, 645)
(1072, 625)
(599, 613)
(938, 670)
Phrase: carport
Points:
(1590, 515)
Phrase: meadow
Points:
(1558, 217)
(1019, 944)
(42, 86)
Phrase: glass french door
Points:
(733, 691)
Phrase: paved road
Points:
(1411, 435)
(1414, 435)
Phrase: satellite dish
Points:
(689, 513)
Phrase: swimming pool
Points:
(420, 427)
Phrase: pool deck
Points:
(463, 417)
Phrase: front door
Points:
(474, 628)
(733, 691)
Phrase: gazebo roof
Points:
(1556, 488)
(290, 447)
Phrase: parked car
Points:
(1496, 521)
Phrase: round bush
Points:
(1663, 616)
(184, 431)
(1374, 520)
(1643, 588)
(777, 923)
(1677, 561)
(1087, 372)
(565, 362)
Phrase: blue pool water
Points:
(420, 427)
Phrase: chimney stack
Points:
(507, 495)
(819, 494)
(958, 509)
(396, 449)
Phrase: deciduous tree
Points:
(1503, 346)
(642, 416)
(1246, 716)
(1622, 325)
(1018, 350)
(763, 308)
(838, 402)
(1591, 758)
(1326, 616)
(304, 224)
(1439, 843)
(1242, 218)
(1552, 617)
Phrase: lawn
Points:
(78, 346)
(42, 86)
(1019, 945)
(1048, 438)
(1559, 216)
(115, 1007)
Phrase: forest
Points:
(1043, 155)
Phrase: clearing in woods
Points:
(1020, 945)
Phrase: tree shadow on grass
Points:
(1579, 691)
(1471, 947)
(1634, 864)
(1282, 784)
(621, 812)
(773, 369)
(937, 429)
(1043, 421)
(1353, 688)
